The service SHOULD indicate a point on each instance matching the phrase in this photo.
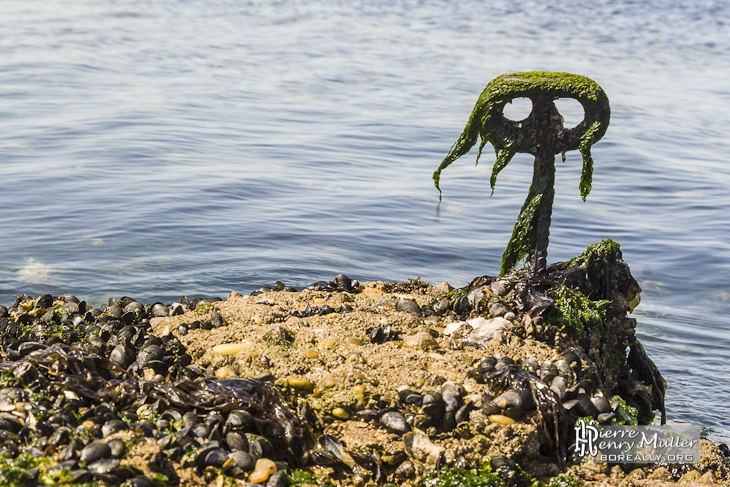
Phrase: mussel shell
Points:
(514, 398)
(601, 404)
(395, 422)
(461, 305)
(94, 451)
(103, 466)
(408, 306)
(243, 460)
(558, 386)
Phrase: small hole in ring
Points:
(518, 110)
(571, 110)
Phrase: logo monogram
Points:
(585, 437)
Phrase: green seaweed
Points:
(541, 134)
(565, 480)
(576, 310)
(625, 414)
(23, 469)
(600, 249)
(301, 478)
(458, 477)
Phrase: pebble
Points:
(300, 383)
(340, 413)
(501, 419)
(263, 469)
(232, 348)
(421, 341)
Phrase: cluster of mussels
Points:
(82, 387)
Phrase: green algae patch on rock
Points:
(600, 250)
(576, 311)
(458, 477)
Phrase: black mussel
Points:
(508, 470)
(503, 362)
(81, 476)
(454, 389)
(141, 482)
(395, 422)
(462, 415)
(125, 300)
(405, 470)
(213, 456)
(605, 418)
(461, 305)
(160, 310)
(414, 399)
(236, 441)
(342, 283)
(217, 320)
(45, 301)
(192, 372)
(441, 307)
(149, 353)
(137, 309)
(70, 308)
(197, 302)
(200, 430)
(262, 443)
(367, 414)
(103, 466)
(177, 309)
(514, 403)
(191, 419)
(585, 407)
(381, 334)
(323, 457)
(94, 451)
(243, 460)
(408, 306)
(320, 286)
(477, 374)
(61, 436)
(488, 363)
(68, 453)
(279, 286)
(115, 310)
(113, 426)
(123, 355)
(489, 408)
(29, 347)
(25, 371)
(240, 419)
(601, 404)
(117, 447)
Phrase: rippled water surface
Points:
(197, 147)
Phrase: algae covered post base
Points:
(541, 134)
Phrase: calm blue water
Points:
(171, 147)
